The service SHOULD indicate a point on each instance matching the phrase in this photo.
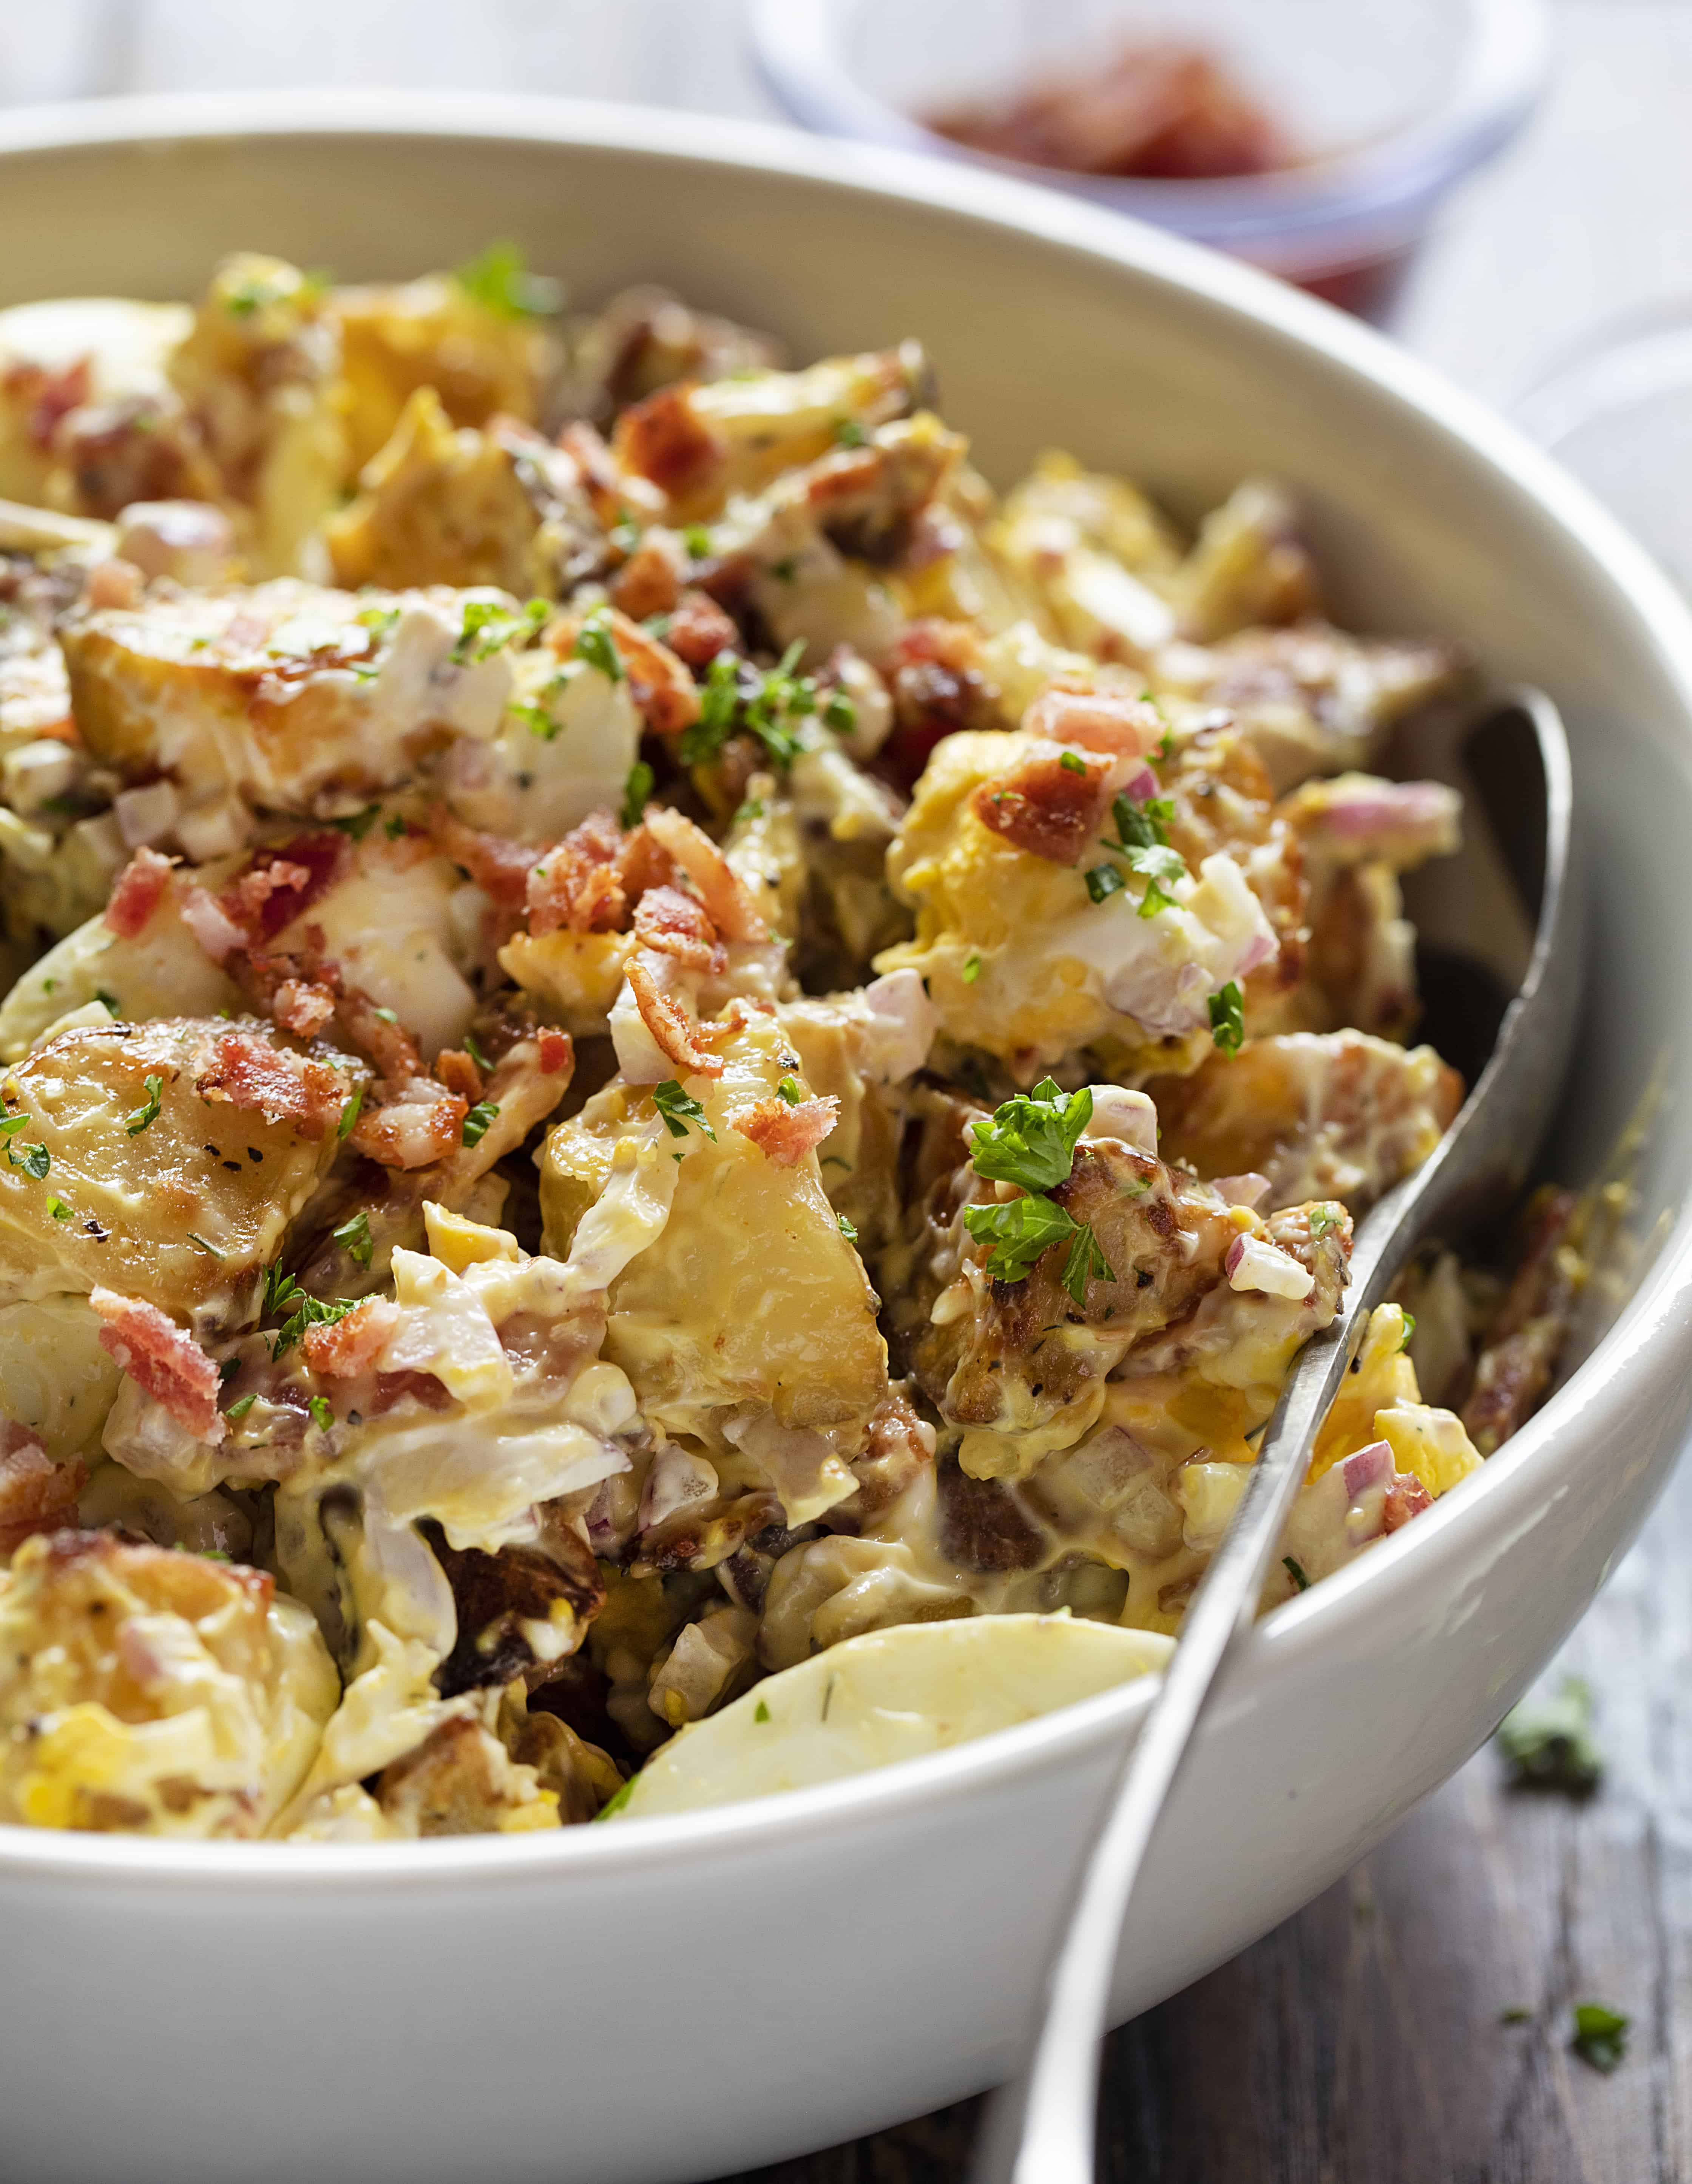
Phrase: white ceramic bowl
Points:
(670, 1998)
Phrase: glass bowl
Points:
(1391, 106)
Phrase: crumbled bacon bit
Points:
(37, 1495)
(1106, 720)
(211, 925)
(499, 867)
(138, 891)
(252, 1075)
(663, 692)
(303, 1006)
(785, 1134)
(642, 863)
(700, 629)
(282, 883)
(664, 439)
(676, 925)
(56, 394)
(349, 1346)
(1046, 807)
(673, 1030)
(389, 1045)
(556, 1051)
(649, 582)
(1405, 1497)
(456, 1070)
(577, 883)
(424, 1123)
(163, 1359)
(724, 896)
(938, 685)
(113, 584)
(606, 487)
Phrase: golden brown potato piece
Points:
(434, 333)
(750, 1294)
(163, 1160)
(303, 699)
(146, 1692)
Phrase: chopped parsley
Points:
(473, 1049)
(349, 1114)
(11, 1124)
(34, 1160)
(1600, 2035)
(1323, 1218)
(846, 1228)
(1143, 844)
(488, 625)
(499, 280)
(637, 788)
(358, 824)
(1296, 1571)
(595, 644)
(1227, 1017)
(108, 1002)
(1409, 1330)
(679, 1110)
(1103, 880)
(625, 535)
(1031, 1140)
(760, 1711)
(839, 714)
(241, 1406)
(849, 433)
(394, 828)
(789, 1089)
(1548, 1742)
(610, 1810)
(535, 717)
(1072, 762)
(786, 568)
(283, 1294)
(322, 1412)
(478, 1120)
(971, 970)
(386, 1016)
(353, 1236)
(698, 541)
(739, 698)
(58, 1209)
(204, 1244)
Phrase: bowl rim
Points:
(1383, 186)
(1647, 1346)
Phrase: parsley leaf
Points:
(34, 1160)
(353, 1236)
(499, 280)
(1227, 1017)
(322, 1412)
(358, 824)
(242, 1405)
(1072, 762)
(697, 538)
(488, 625)
(1296, 1571)
(1409, 1330)
(58, 1209)
(283, 1293)
(637, 788)
(971, 970)
(1085, 1262)
(1600, 2035)
(595, 644)
(839, 714)
(679, 1110)
(846, 1228)
(1020, 1234)
(476, 1122)
(739, 698)
(1321, 1218)
(1103, 881)
(1032, 1138)
(760, 1711)
(1548, 1742)
(849, 433)
(11, 1124)
(789, 1089)
(349, 1114)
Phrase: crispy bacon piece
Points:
(554, 1051)
(700, 629)
(676, 925)
(577, 883)
(1405, 1497)
(938, 685)
(350, 1346)
(606, 487)
(1107, 720)
(663, 690)
(672, 1028)
(37, 1495)
(163, 1359)
(283, 881)
(137, 892)
(1052, 807)
(499, 867)
(732, 910)
(55, 394)
(211, 925)
(251, 1074)
(389, 1045)
(649, 582)
(456, 1070)
(423, 1123)
(303, 1006)
(785, 1134)
(663, 439)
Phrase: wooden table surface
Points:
(1376, 2038)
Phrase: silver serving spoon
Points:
(1513, 767)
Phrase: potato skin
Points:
(134, 1202)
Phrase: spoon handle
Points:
(1040, 2126)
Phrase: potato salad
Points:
(647, 1032)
